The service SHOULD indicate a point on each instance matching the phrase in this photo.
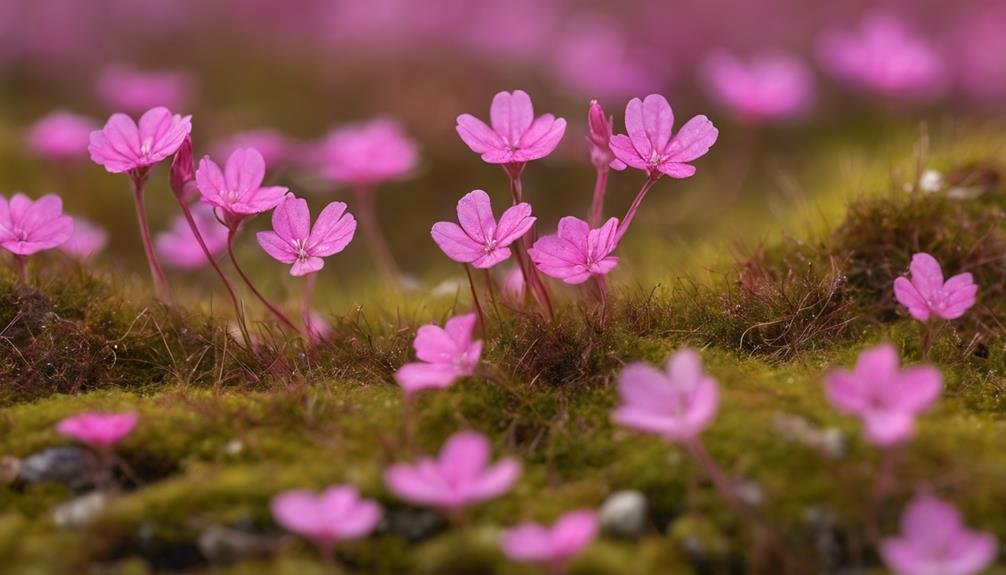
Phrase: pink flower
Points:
(478, 240)
(885, 397)
(133, 90)
(458, 477)
(595, 56)
(293, 240)
(334, 515)
(367, 153)
(445, 354)
(61, 135)
(516, 136)
(514, 288)
(676, 404)
(769, 86)
(98, 429)
(178, 246)
(935, 541)
(552, 546)
(237, 189)
(886, 57)
(318, 330)
(926, 294)
(274, 146)
(123, 145)
(576, 252)
(650, 145)
(28, 226)
(86, 239)
(599, 137)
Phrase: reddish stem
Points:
(275, 311)
(531, 277)
(379, 249)
(597, 204)
(137, 181)
(623, 226)
(475, 298)
(22, 267)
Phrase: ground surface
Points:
(773, 295)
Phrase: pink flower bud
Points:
(182, 170)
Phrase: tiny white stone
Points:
(931, 181)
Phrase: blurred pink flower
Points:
(86, 239)
(458, 477)
(676, 404)
(594, 56)
(237, 189)
(28, 226)
(293, 240)
(886, 57)
(980, 54)
(178, 246)
(445, 354)
(769, 86)
(98, 429)
(516, 136)
(134, 90)
(926, 294)
(935, 541)
(61, 135)
(599, 138)
(552, 546)
(885, 397)
(123, 145)
(317, 328)
(478, 240)
(274, 146)
(334, 515)
(514, 287)
(366, 154)
(649, 144)
(576, 252)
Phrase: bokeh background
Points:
(300, 68)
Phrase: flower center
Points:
(145, 148)
(301, 247)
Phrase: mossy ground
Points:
(224, 429)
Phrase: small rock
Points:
(222, 545)
(413, 524)
(66, 464)
(623, 514)
(931, 181)
(79, 512)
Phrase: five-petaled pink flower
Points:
(770, 86)
(516, 136)
(935, 541)
(926, 294)
(61, 135)
(445, 354)
(886, 397)
(124, 145)
(98, 429)
(650, 144)
(676, 404)
(554, 545)
(293, 240)
(599, 139)
(367, 153)
(326, 518)
(479, 240)
(179, 247)
(885, 56)
(576, 252)
(237, 190)
(86, 239)
(458, 477)
(28, 226)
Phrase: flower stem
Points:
(137, 182)
(475, 298)
(597, 204)
(310, 283)
(379, 249)
(623, 226)
(22, 267)
(275, 311)
(492, 293)
(531, 277)
(238, 308)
